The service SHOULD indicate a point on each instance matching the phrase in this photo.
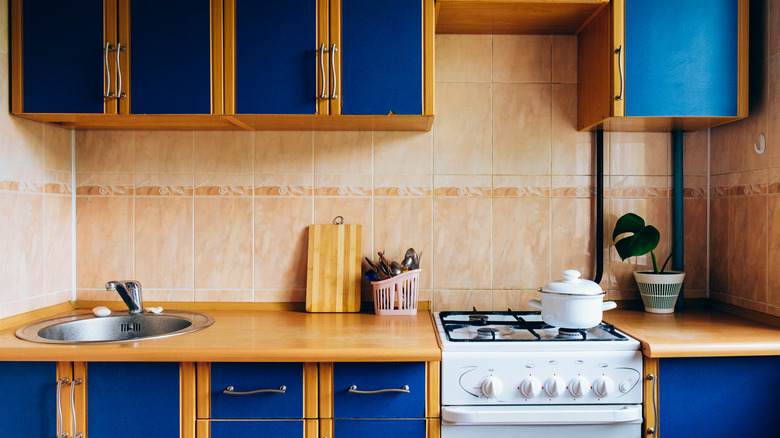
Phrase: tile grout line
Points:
(73, 239)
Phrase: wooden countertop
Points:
(696, 332)
(258, 335)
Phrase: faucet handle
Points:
(111, 285)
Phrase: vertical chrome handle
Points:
(76, 433)
(333, 50)
(323, 93)
(622, 73)
(119, 93)
(108, 93)
(654, 430)
(60, 432)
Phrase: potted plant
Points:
(659, 288)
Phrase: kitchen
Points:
(487, 196)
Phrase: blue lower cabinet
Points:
(245, 377)
(252, 428)
(719, 396)
(28, 399)
(133, 399)
(375, 428)
(374, 377)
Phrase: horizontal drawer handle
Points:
(353, 389)
(230, 390)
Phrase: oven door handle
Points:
(547, 415)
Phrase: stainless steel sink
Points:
(118, 327)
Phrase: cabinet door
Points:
(136, 398)
(62, 59)
(681, 58)
(379, 376)
(28, 399)
(379, 428)
(169, 56)
(275, 57)
(381, 57)
(718, 396)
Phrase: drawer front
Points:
(379, 428)
(251, 428)
(378, 376)
(245, 377)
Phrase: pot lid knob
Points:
(571, 275)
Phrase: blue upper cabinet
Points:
(58, 52)
(381, 57)
(275, 64)
(169, 53)
(660, 65)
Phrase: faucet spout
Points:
(130, 291)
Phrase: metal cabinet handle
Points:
(324, 92)
(353, 389)
(621, 69)
(76, 433)
(654, 430)
(60, 432)
(333, 51)
(119, 93)
(108, 93)
(230, 390)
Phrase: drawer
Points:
(249, 377)
(379, 428)
(376, 377)
(247, 428)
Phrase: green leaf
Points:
(643, 240)
(628, 223)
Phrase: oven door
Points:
(561, 421)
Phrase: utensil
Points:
(395, 268)
(374, 269)
(572, 302)
(384, 264)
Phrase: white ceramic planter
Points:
(659, 291)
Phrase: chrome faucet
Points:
(130, 291)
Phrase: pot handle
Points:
(538, 304)
(608, 305)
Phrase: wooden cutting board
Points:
(334, 268)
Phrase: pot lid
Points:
(572, 284)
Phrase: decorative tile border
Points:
(463, 192)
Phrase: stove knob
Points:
(554, 386)
(579, 386)
(530, 387)
(491, 386)
(603, 386)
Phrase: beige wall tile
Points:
(104, 151)
(572, 237)
(283, 152)
(478, 186)
(517, 300)
(4, 36)
(280, 296)
(572, 151)
(343, 185)
(719, 244)
(224, 296)
(168, 295)
(695, 243)
(773, 110)
(223, 243)
(164, 151)
(521, 243)
(695, 152)
(521, 129)
(163, 242)
(444, 300)
(281, 242)
(224, 184)
(564, 58)
(522, 58)
(744, 133)
(57, 148)
(747, 247)
(719, 149)
(639, 153)
(774, 27)
(223, 151)
(461, 243)
(462, 129)
(403, 223)
(104, 240)
(464, 58)
(773, 244)
(58, 248)
(21, 260)
(511, 186)
(402, 185)
(403, 153)
(342, 152)
(22, 142)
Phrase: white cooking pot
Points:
(572, 302)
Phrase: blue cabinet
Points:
(271, 428)
(28, 399)
(250, 377)
(394, 428)
(660, 65)
(718, 396)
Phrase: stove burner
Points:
(564, 333)
(486, 333)
(478, 319)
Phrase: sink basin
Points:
(118, 327)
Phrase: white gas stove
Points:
(507, 373)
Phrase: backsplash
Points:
(498, 197)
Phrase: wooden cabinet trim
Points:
(187, 388)
(203, 390)
(310, 390)
(649, 389)
(217, 57)
(326, 390)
